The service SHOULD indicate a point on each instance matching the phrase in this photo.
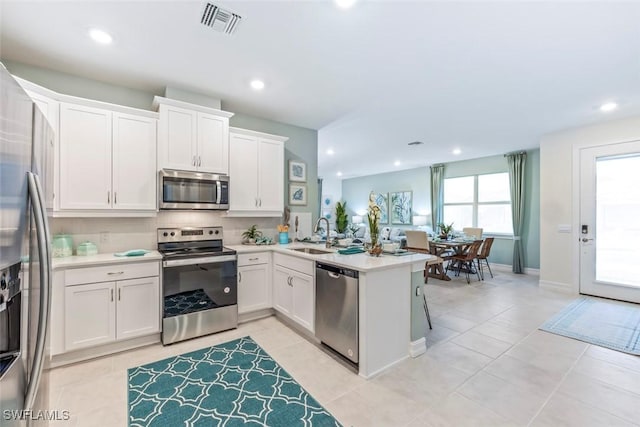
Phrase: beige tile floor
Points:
(486, 365)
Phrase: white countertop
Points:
(361, 262)
(101, 259)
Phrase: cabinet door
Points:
(243, 173)
(134, 162)
(89, 315)
(270, 175)
(138, 311)
(85, 157)
(213, 144)
(177, 140)
(282, 290)
(303, 300)
(254, 290)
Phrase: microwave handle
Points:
(218, 192)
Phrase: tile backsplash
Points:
(121, 234)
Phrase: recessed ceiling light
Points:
(338, 173)
(456, 151)
(609, 106)
(396, 163)
(345, 4)
(330, 152)
(100, 36)
(257, 84)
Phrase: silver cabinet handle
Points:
(115, 197)
(256, 202)
(119, 293)
(111, 295)
(585, 240)
(193, 161)
(199, 161)
(108, 197)
(260, 202)
(115, 273)
(254, 259)
(239, 277)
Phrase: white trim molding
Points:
(507, 267)
(418, 347)
(566, 288)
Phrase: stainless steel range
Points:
(200, 292)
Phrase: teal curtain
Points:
(516, 163)
(437, 196)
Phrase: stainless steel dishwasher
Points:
(337, 309)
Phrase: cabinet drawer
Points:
(294, 263)
(106, 273)
(253, 259)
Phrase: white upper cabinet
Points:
(134, 166)
(192, 137)
(256, 173)
(85, 157)
(107, 160)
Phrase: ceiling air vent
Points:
(221, 20)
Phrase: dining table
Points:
(447, 248)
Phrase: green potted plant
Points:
(252, 234)
(445, 230)
(342, 220)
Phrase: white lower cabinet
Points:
(294, 295)
(138, 309)
(254, 282)
(109, 311)
(90, 315)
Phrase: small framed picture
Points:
(297, 194)
(297, 171)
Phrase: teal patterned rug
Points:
(232, 384)
(603, 322)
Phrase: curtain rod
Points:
(515, 152)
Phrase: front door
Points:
(610, 221)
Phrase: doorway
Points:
(610, 221)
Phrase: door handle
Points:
(115, 197)
(239, 277)
(115, 273)
(585, 240)
(119, 293)
(108, 197)
(111, 295)
(199, 161)
(260, 202)
(193, 161)
(334, 275)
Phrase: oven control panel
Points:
(189, 234)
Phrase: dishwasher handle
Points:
(335, 271)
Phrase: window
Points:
(479, 201)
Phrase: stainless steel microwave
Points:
(193, 190)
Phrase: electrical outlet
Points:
(104, 237)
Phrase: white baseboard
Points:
(508, 267)
(566, 288)
(255, 315)
(416, 348)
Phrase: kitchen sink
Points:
(312, 251)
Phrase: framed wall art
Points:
(298, 194)
(382, 200)
(401, 207)
(297, 171)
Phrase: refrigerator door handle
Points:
(42, 234)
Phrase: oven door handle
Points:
(202, 260)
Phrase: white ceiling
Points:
(487, 77)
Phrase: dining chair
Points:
(418, 241)
(483, 255)
(467, 260)
(475, 232)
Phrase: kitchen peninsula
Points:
(390, 298)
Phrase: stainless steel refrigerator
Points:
(25, 261)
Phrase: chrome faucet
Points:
(315, 230)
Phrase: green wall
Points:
(302, 144)
(356, 190)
